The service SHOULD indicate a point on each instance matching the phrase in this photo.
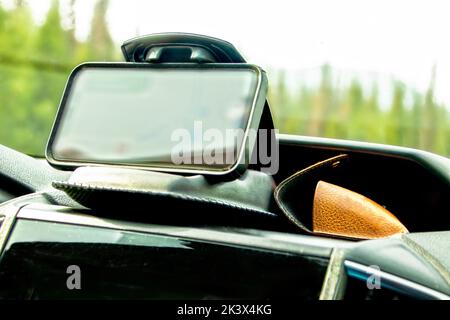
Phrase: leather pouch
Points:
(295, 195)
(169, 198)
(316, 203)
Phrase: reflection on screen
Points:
(131, 115)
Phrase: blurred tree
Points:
(352, 113)
(440, 138)
(372, 118)
(416, 120)
(71, 18)
(3, 16)
(303, 106)
(52, 39)
(322, 103)
(100, 43)
(429, 117)
(52, 45)
(17, 29)
(278, 97)
(446, 132)
(395, 124)
(16, 36)
(79, 49)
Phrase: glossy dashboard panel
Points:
(125, 264)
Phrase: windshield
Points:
(376, 71)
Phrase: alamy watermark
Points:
(73, 281)
(374, 279)
(218, 147)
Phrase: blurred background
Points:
(376, 71)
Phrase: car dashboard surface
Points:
(43, 233)
(128, 260)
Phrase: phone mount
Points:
(192, 48)
(180, 47)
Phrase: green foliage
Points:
(35, 61)
(100, 43)
(349, 112)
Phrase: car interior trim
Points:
(269, 240)
(8, 212)
(335, 278)
(428, 257)
(436, 164)
(392, 282)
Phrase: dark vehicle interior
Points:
(160, 245)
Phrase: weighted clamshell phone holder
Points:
(308, 199)
(244, 197)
